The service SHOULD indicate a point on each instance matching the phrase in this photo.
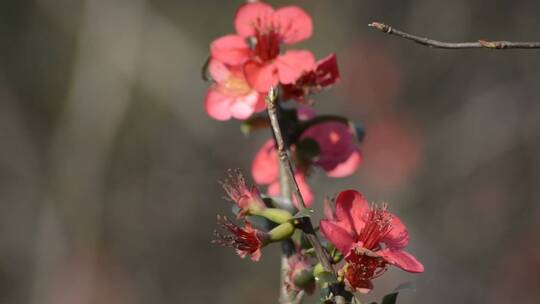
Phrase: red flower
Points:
(245, 240)
(268, 29)
(274, 189)
(369, 237)
(265, 171)
(339, 155)
(231, 96)
(324, 75)
(244, 197)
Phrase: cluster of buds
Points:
(244, 68)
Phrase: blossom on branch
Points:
(246, 198)
(246, 240)
(322, 77)
(256, 46)
(338, 154)
(231, 96)
(265, 171)
(369, 237)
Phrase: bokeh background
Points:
(109, 164)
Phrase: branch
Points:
(486, 44)
(288, 175)
(283, 155)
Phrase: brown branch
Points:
(283, 155)
(480, 44)
(305, 222)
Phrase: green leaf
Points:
(306, 212)
(390, 298)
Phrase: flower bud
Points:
(276, 215)
(300, 274)
(281, 232)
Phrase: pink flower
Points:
(323, 76)
(275, 190)
(369, 237)
(246, 240)
(231, 96)
(338, 155)
(265, 171)
(265, 167)
(246, 198)
(268, 29)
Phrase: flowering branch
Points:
(286, 165)
(247, 69)
(487, 44)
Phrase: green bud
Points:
(318, 269)
(281, 232)
(275, 215)
(304, 278)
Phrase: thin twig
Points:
(480, 44)
(283, 155)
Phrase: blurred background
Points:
(109, 164)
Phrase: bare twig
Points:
(485, 44)
(283, 155)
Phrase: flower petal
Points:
(349, 166)
(338, 236)
(256, 255)
(336, 144)
(217, 105)
(327, 71)
(253, 15)
(398, 237)
(264, 168)
(219, 71)
(293, 23)
(292, 64)
(243, 107)
(230, 49)
(275, 190)
(351, 208)
(305, 113)
(305, 190)
(261, 104)
(401, 259)
(261, 76)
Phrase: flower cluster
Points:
(246, 69)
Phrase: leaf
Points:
(390, 298)
(306, 212)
